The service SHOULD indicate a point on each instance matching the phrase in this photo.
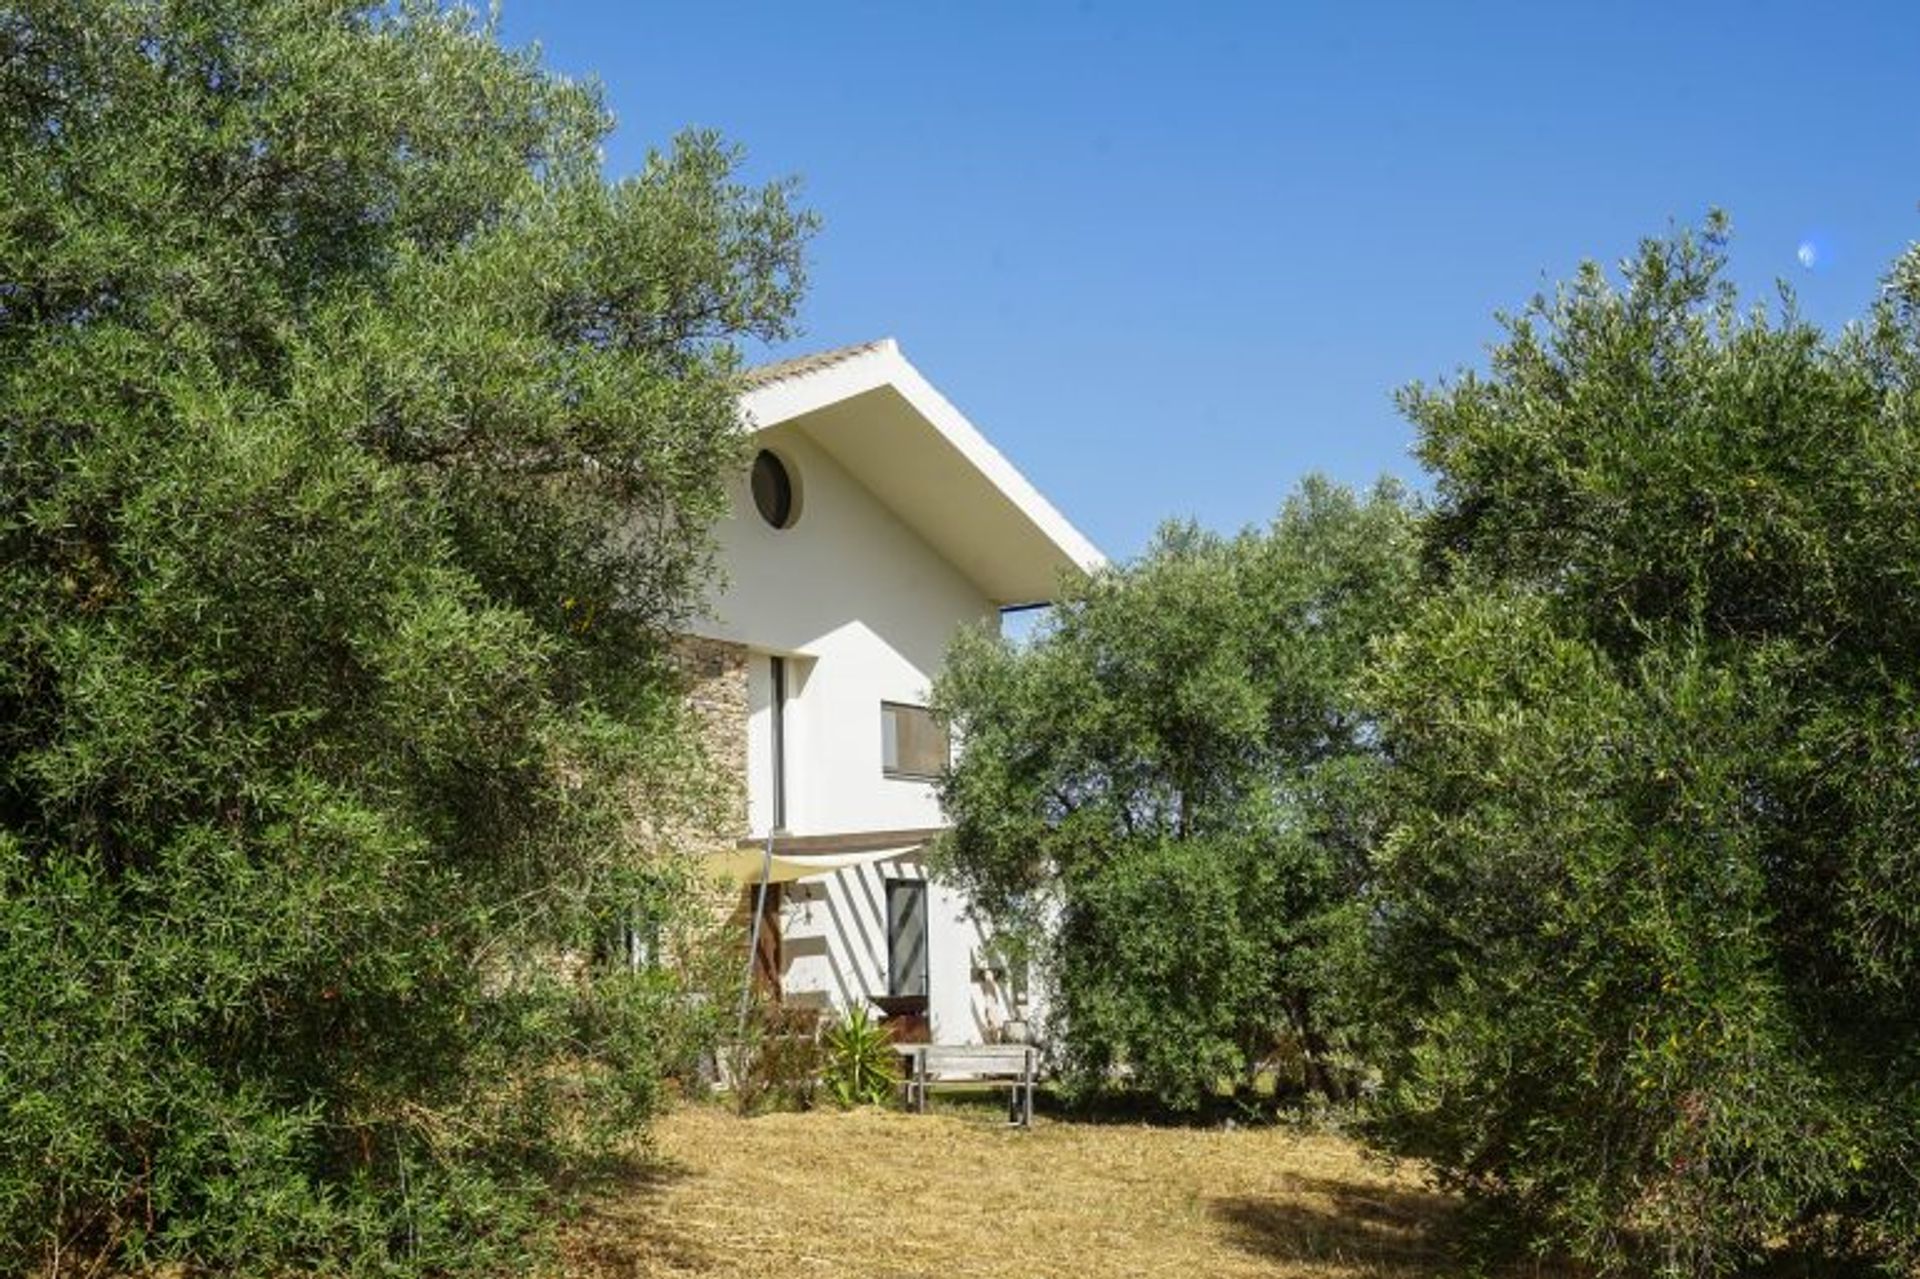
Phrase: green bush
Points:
(860, 1067)
(1648, 936)
(358, 448)
(776, 1064)
(1170, 794)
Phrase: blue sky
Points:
(1172, 258)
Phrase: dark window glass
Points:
(912, 742)
(906, 937)
(772, 490)
(635, 943)
(778, 705)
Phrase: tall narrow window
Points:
(906, 937)
(912, 742)
(778, 710)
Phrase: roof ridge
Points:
(802, 365)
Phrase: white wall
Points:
(834, 932)
(869, 607)
(863, 610)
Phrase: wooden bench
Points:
(1017, 1064)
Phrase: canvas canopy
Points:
(745, 866)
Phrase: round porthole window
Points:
(773, 492)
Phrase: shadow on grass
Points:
(1138, 1108)
(1322, 1221)
(1416, 1234)
(622, 1227)
(984, 1099)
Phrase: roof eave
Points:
(784, 398)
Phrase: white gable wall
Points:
(864, 610)
(868, 607)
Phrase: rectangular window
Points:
(778, 708)
(634, 943)
(912, 742)
(906, 937)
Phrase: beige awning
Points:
(804, 856)
(744, 866)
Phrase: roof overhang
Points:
(885, 424)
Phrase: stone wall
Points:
(716, 676)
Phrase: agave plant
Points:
(862, 1068)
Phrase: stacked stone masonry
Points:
(715, 672)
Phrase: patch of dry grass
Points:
(877, 1193)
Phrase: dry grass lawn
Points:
(877, 1193)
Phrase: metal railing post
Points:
(753, 936)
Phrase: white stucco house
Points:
(875, 521)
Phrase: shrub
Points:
(1171, 793)
(776, 1065)
(1646, 921)
(861, 1067)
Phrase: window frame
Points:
(787, 485)
(921, 887)
(777, 733)
(894, 771)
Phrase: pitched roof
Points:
(880, 419)
(801, 365)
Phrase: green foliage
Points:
(1646, 918)
(861, 1067)
(358, 443)
(776, 1064)
(1172, 791)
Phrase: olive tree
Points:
(1170, 793)
(1648, 935)
(359, 440)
